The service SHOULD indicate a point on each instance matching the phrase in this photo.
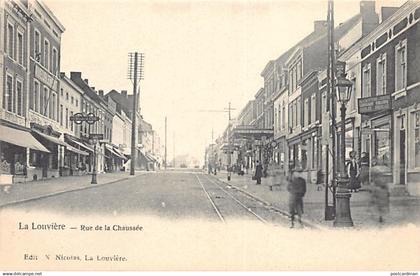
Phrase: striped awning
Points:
(20, 138)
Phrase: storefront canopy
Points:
(75, 150)
(86, 147)
(49, 138)
(114, 151)
(20, 138)
(248, 132)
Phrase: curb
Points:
(62, 192)
(270, 206)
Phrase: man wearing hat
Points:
(297, 190)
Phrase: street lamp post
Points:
(343, 214)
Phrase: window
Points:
(366, 81)
(72, 100)
(61, 115)
(54, 61)
(19, 48)
(19, 97)
(46, 54)
(298, 112)
(7, 99)
(353, 98)
(417, 138)
(61, 92)
(400, 66)
(382, 146)
(77, 103)
(53, 104)
(67, 118)
(275, 120)
(10, 40)
(36, 96)
(299, 71)
(71, 122)
(45, 110)
(314, 152)
(37, 46)
(313, 109)
(67, 96)
(381, 75)
(283, 120)
(41, 101)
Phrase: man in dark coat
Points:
(297, 190)
(353, 172)
(258, 172)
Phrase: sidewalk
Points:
(403, 210)
(20, 192)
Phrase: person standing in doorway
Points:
(297, 190)
(353, 172)
(258, 172)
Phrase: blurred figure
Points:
(297, 190)
(353, 172)
(380, 194)
(258, 172)
(364, 169)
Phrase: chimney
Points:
(124, 93)
(75, 75)
(370, 19)
(101, 93)
(320, 26)
(386, 12)
(62, 74)
(93, 88)
(87, 81)
(367, 8)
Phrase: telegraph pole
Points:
(166, 142)
(135, 74)
(229, 158)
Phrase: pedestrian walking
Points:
(258, 172)
(297, 189)
(353, 172)
(380, 194)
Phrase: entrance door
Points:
(402, 157)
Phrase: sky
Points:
(199, 55)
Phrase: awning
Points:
(75, 150)
(86, 147)
(114, 151)
(20, 138)
(50, 138)
(151, 157)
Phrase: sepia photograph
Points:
(197, 135)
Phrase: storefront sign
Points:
(374, 104)
(44, 76)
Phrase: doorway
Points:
(402, 157)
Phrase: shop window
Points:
(314, 152)
(382, 147)
(417, 138)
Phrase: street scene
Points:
(313, 129)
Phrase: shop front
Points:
(406, 144)
(14, 161)
(77, 156)
(47, 166)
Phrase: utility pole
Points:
(166, 142)
(331, 109)
(135, 74)
(229, 158)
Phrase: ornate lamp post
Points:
(343, 215)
